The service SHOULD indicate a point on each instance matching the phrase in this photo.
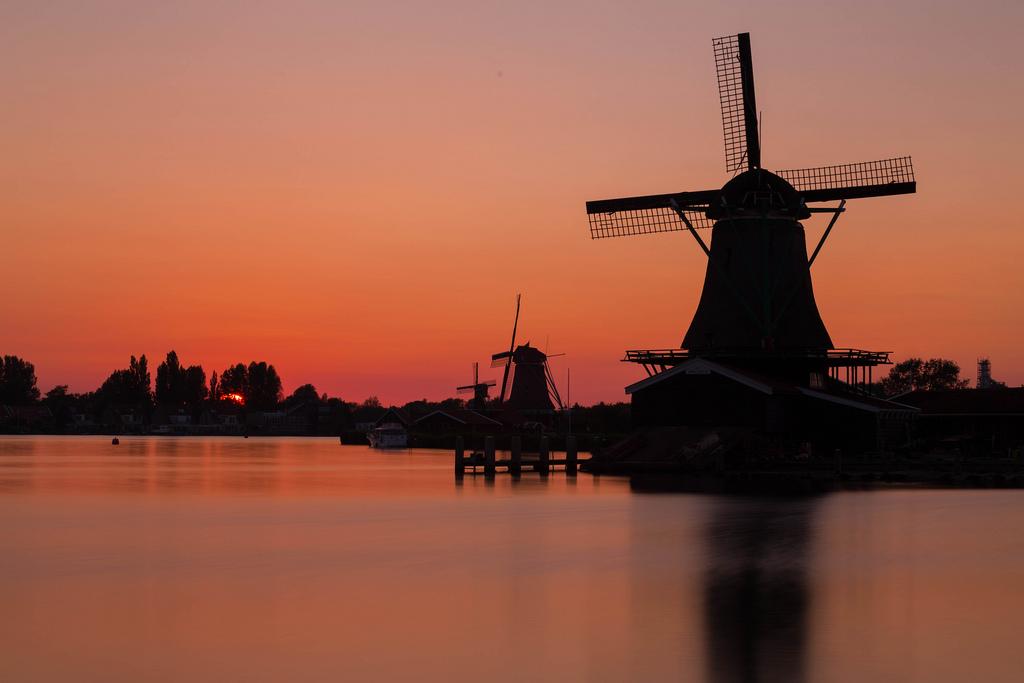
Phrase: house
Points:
(702, 393)
(82, 421)
(292, 422)
(394, 416)
(456, 421)
(990, 420)
(223, 420)
(26, 418)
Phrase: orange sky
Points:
(356, 191)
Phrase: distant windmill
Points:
(533, 387)
(757, 299)
(478, 388)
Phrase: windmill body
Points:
(757, 294)
(528, 394)
(530, 382)
(757, 327)
(477, 388)
(533, 391)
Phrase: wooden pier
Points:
(485, 461)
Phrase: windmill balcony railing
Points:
(658, 360)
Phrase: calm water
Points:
(297, 560)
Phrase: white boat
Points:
(388, 435)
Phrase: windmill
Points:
(533, 386)
(757, 302)
(478, 388)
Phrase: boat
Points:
(388, 435)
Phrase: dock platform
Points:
(486, 462)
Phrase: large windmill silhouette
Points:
(757, 306)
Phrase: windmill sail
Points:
(735, 69)
(648, 214)
(477, 386)
(507, 356)
(853, 181)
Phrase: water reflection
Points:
(268, 467)
(756, 595)
(299, 559)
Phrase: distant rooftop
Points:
(966, 401)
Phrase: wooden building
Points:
(456, 421)
(985, 421)
(705, 393)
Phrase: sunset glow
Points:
(379, 182)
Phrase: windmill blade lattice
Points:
(734, 67)
(645, 222)
(648, 214)
(852, 181)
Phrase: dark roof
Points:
(833, 392)
(837, 394)
(463, 416)
(703, 366)
(393, 414)
(966, 401)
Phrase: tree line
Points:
(255, 385)
(259, 385)
(934, 374)
(242, 388)
(250, 388)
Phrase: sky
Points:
(356, 191)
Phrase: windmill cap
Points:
(755, 193)
(526, 354)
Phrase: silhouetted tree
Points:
(214, 386)
(169, 380)
(176, 385)
(128, 387)
(193, 385)
(264, 386)
(417, 409)
(306, 394)
(235, 380)
(17, 381)
(259, 384)
(367, 411)
(602, 418)
(935, 374)
(61, 405)
(58, 393)
(341, 417)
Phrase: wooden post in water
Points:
(516, 465)
(542, 462)
(489, 468)
(570, 456)
(460, 458)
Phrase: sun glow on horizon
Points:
(378, 184)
